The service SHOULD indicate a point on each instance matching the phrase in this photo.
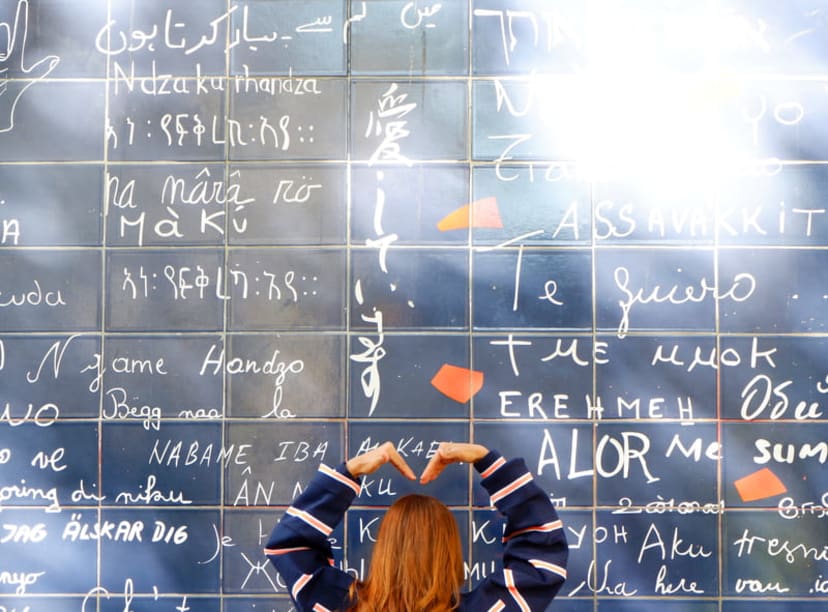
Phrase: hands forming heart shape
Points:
(447, 453)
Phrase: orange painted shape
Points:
(759, 485)
(456, 219)
(480, 213)
(460, 384)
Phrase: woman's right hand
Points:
(370, 462)
(451, 452)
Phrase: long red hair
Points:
(417, 561)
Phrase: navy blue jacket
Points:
(534, 554)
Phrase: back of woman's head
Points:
(417, 562)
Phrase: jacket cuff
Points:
(507, 482)
(337, 480)
(489, 464)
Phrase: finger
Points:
(447, 451)
(377, 457)
(398, 462)
(434, 468)
(368, 462)
(446, 454)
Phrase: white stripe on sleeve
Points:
(493, 467)
(510, 584)
(310, 520)
(339, 477)
(511, 487)
(497, 607)
(299, 585)
(549, 567)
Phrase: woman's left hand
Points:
(451, 452)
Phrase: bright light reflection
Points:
(631, 126)
(651, 102)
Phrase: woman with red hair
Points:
(417, 561)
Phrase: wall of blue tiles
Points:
(241, 238)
